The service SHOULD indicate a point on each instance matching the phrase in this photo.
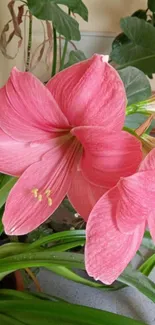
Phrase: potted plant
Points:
(72, 137)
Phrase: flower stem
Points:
(29, 43)
(54, 52)
(33, 277)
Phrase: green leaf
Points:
(76, 6)
(12, 249)
(8, 320)
(75, 57)
(43, 258)
(151, 5)
(120, 40)
(136, 85)
(58, 313)
(133, 121)
(147, 241)
(140, 53)
(4, 179)
(140, 13)
(147, 267)
(139, 281)
(1, 215)
(5, 189)
(61, 236)
(70, 275)
(14, 294)
(63, 23)
(66, 246)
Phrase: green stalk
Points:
(64, 49)
(29, 43)
(54, 52)
(64, 55)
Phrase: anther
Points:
(50, 201)
(35, 192)
(40, 197)
(48, 192)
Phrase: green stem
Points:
(64, 55)
(54, 52)
(29, 43)
(131, 131)
(64, 49)
(140, 111)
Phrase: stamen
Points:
(50, 201)
(35, 192)
(40, 197)
(48, 192)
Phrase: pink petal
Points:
(108, 156)
(149, 162)
(83, 195)
(28, 110)
(16, 156)
(108, 251)
(24, 212)
(137, 195)
(91, 93)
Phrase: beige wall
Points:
(104, 16)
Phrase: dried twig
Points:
(16, 20)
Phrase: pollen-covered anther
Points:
(40, 197)
(35, 192)
(50, 201)
(47, 192)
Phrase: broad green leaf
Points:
(75, 57)
(136, 85)
(5, 189)
(140, 13)
(139, 281)
(59, 313)
(76, 6)
(122, 39)
(147, 241)
(133, 121)
(140, 53)
(63, 23)
(151, 5)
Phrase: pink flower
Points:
(123, 214)
(65, 138)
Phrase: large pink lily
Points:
(123, 214)
(65, 138)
